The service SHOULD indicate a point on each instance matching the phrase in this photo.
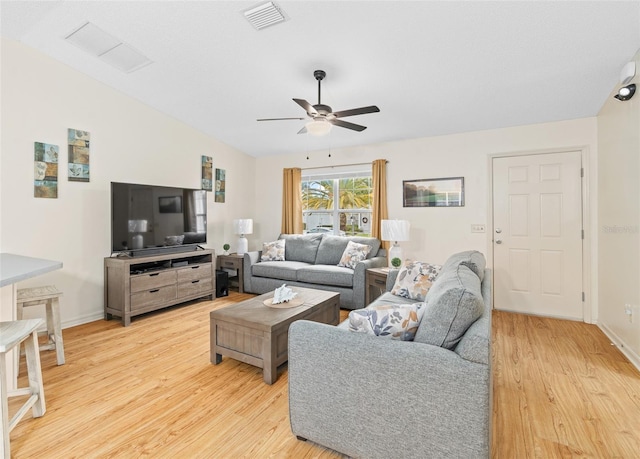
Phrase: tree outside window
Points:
(338, 203)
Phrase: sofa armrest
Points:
(391, 278)
(359, 279)
(250, 259)
(366, 396)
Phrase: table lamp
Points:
(137, 226)
(396, 231)
(243, 226)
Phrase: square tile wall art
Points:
(78, 167)
(220, 185)
(45, 183)
(207, 173)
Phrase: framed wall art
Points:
(45, 184)
(437, 192)
(78, 164)
(207, 175)
(221, 184)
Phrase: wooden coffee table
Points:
(258, 335)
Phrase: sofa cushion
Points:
(415, 279)
(353, 254)
(285, 270)
(326, 275)
(472, 259)
(273, 251)
(332, 247)
(452, 305)
(301, 247)
(389, 321)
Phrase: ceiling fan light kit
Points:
(318, 128)
(323, 117)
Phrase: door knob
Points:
(498, 230)
(498, 241)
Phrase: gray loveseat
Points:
(311, 260)
(371, 397)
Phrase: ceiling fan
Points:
(322, 116)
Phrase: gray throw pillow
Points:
(301, 247)
(453, 303)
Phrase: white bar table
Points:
(14, 269)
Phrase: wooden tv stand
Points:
(137, 285)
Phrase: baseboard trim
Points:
(620, 344)
(84, 319)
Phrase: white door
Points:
(537, 234)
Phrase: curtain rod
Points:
(338, 165)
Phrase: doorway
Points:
(537, 234)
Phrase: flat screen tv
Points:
(148, 219)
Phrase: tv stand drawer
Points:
(152, 280)
(195, 272)
(149, 297)
(195, 287)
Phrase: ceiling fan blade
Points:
(306, 105)
(303, 130)
(279, 119)
(356, 111)
(346, 124)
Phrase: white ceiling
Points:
(433, 68)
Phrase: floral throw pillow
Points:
(399, 322)
(353, 254)
(415, 279)
(273, 251)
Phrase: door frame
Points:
(589, 279)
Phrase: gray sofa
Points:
(371, 397)
(311, 261)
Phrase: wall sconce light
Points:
(626, 92)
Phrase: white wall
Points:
(435, 232)
(619, 239)
(130, 142)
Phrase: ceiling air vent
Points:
(108, 48)
(264, 15)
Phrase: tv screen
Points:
(147, 217)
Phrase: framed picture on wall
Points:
(438, 192)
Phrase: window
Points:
(337, 203)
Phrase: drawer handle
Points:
(195, 281)
(195, 267)
(154, 290)
(228, 263)
(379, 282)
(154, 274)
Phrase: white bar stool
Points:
(11, 335)
(49, 296)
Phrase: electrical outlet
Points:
(477, 228)
(628, 310)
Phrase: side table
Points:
(375, 283)
(233, 261)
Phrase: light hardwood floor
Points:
(148, 390)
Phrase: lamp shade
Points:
(395, 230)
(318, 127)
(243, 226)
(138, 226)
